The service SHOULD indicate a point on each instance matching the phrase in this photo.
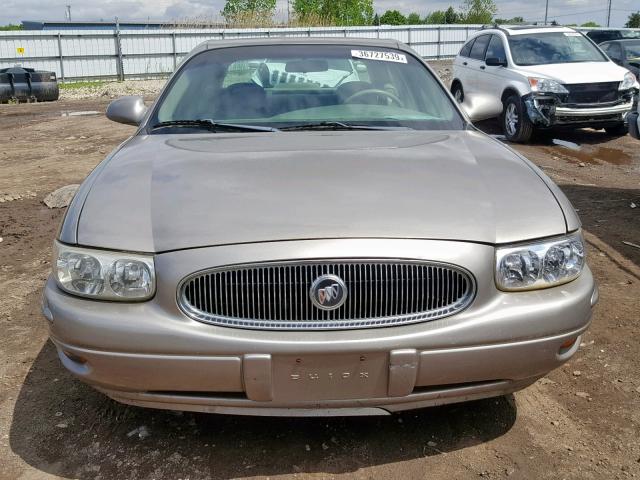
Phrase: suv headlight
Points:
(628, 82)
(540, 264)
(546, 85)
(104, 275)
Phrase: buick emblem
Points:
(328, 292)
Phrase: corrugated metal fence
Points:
(120, 54)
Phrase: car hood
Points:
(169, 192)
(581, 72)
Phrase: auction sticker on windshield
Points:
(378, 55)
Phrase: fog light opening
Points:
(567, 345)
(74, 358)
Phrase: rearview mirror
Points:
(495, 62)
(634, 124)
(306, 66)
(129, 110)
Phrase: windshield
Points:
(553, 47)
(629, 34)
(632, 50)
(286, 85)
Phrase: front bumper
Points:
(151, 354)
(548, 110)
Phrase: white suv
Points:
(538, 77)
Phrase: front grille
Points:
(592, 93)
(276, 296)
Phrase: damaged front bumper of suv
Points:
(550, 109)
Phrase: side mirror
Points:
(634, 124)
(128, 110)
(495, 62)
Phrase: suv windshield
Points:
(293, 85)
(553, 47)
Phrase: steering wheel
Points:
(374, 91)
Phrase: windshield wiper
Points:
(337, 126)
(207, 124)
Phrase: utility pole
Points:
(546, 12)
(609, 13)
(67, 13)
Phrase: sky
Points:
(565, 11)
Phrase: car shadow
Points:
(580, 136)
(63, 427)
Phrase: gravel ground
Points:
(152, 87)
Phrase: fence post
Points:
(60, 56)
(439, 40)
(175, 53)
(409, 35)
(119, 63)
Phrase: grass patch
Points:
(77, 85)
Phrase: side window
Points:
(496, 48)
(467, 48)
(615, 51)
(479, 46)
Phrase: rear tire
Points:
(515, 122)
(618, 130)
(457, 92)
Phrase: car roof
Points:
(242, 42)
(510, 30)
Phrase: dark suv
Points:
(600, 36)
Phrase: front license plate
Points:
(330, 377)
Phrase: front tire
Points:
(619, 130)
(515, 122)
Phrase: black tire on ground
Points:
(457, 92)
(515, 122)
(618, 130)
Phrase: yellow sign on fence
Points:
(20, 50)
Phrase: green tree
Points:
(450, 16)
(634, 21)
(393, 17)
(414, 19)
(509, 21)
(376, 20)
(235, 10)
(590, 24)
(478, 11)
(345, 12)
(437, 17)
(10, 27)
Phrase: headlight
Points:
(628, 82)
(104, 275)
(546, 85)
(540, 264)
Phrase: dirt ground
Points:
(580, 422)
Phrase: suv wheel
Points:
(515, 122)
(457, 92)
(618, 130)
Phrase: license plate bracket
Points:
(330, 376)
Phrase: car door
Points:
(475, 63)
(461, 69)
(492, 79)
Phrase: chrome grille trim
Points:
(275, 295)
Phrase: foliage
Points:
(590, 24)
(10, 27)
(77, 85)
(393, 17)
(345, 12)
(478, 11)
(414, 19)
(633, 21)
(450, 16)
(509, 21)
(376, 20)
(236, 12)
(437, 17)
